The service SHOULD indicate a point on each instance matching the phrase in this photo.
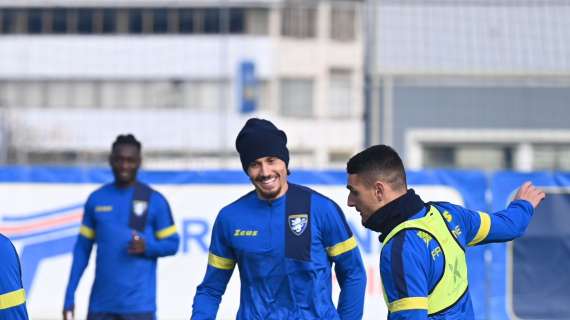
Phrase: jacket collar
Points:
(397, 211)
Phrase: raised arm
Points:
(503, 225)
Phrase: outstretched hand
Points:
(530, 193)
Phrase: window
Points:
(59, 21)
(343, 27)
(85, 21)
(9, 94)
(110, 95)
(14, 21)
(298, 22)
(340, 93)
(296, 97)
(58, 94)
(338, 158)
(109, 21)
(438, 157)
(35, 21)
(237, 20)
(551, 157)
(485, 157)
(211, 20)
(160, 21)
(135, 20)
(133, 95)
(21, 94)
(186, 21)
(207, 95)
(161, 94)
(123, 23)
(84, 94)
(257, 21)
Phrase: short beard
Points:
(268, 195)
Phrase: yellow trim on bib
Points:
(410, 303)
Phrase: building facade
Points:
(182, 75)
(473, 83)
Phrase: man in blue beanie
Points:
(284, 238)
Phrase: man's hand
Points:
(136, 245)
(68, 314)
(530, 193)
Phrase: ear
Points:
(379, 190)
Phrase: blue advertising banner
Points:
(44, 230)
(41, 209)
(530, 274)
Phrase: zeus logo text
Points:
(195, 233)
(245, 233)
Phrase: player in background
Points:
(132, 225)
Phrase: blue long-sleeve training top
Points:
(284, 261)
(411, 265)
(124, 283)
(12, 295)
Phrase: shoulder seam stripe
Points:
(483, 229)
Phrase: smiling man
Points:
(284, 238)
(422, 262)
(132, 226)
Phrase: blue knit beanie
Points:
(260, 138)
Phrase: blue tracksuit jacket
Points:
(123, 283)
(12, 295)
(253, 234)
(409, 269)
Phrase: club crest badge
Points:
(139, 207)
(298, 223)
